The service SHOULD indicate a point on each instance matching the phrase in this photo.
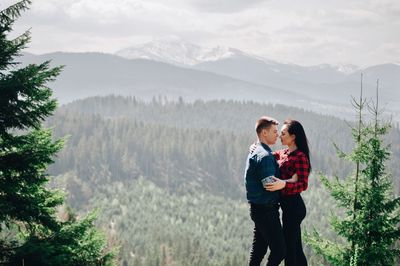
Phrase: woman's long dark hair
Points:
(295, 128)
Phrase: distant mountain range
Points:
(175, 69)
(177, 52)
(90, 74)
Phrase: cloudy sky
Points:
(307, 32)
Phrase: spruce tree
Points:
(368, 228)
(30, 232)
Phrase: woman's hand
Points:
(277, 185)
(253, 146)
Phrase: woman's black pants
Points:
(294, 211)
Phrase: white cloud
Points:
(224, 6)
(213, 6)
(303, 32)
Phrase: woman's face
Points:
(285, 137)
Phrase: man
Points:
(264, 204)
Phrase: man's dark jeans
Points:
(267, 233)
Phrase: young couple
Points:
(287, 171)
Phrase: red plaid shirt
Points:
(290, 163)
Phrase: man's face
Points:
(271, 134)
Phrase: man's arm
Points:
(267, 167)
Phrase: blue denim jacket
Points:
(260, 163)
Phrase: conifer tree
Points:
(30, 232)
(369, 228)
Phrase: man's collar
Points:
(265, 146)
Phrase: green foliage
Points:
(370, 224)
(329, 249)
(182, 149)
(23, 162)
(75, 243)
(10, 48)
(25, 101)
(30, 232)
(232, 117)
(186, 229)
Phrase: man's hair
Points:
(264, 123)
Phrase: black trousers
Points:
(293, 213)
(267, 233)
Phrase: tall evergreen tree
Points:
(369, 227)
(30, 233)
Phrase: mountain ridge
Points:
(91, 74)
(178, 52)
(320, 89)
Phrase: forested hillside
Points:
(169, 175)
(226, 119)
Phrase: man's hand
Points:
(277, 185)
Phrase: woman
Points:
(294, 166)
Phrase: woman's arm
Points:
(280, 184)
(302, 166)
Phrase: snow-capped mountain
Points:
(346, 69)
(177, 52)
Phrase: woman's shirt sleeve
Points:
(302, 169)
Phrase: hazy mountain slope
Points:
(323, 83)
(260, 71)
(389, 79)
(90, 74)
(238, 78)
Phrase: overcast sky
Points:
(307, 32)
